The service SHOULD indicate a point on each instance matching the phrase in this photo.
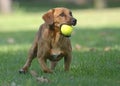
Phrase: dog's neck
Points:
(56, 34)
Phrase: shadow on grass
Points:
(86, 37)
(97, 37)
(20, 37)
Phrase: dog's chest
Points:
(57, 47)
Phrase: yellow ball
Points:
(66, 30)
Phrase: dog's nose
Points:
(74, 21)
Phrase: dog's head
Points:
(59, 16)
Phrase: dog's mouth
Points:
(72, 22)
(66, 29)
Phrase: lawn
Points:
(95, 42)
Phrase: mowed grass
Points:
(96, 50)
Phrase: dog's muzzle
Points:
(73, 21)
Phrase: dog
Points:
(50, 43)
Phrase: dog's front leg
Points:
(53, 64)
(67, 61)
(43, 64)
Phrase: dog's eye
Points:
(62, 14)
(70, 13)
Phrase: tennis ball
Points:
(66, 30)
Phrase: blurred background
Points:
(10, 6)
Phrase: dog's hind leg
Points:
(53, 64)
(67, 61)
(43, 64)
(31, 55)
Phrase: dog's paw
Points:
(21, 71)
(48, 71)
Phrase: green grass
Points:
(92, 65)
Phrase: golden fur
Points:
(49, 43)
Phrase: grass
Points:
(92, 64)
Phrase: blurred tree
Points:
(78, 2)
(6, 6)
(99, 4)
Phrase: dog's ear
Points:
(48, 17)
